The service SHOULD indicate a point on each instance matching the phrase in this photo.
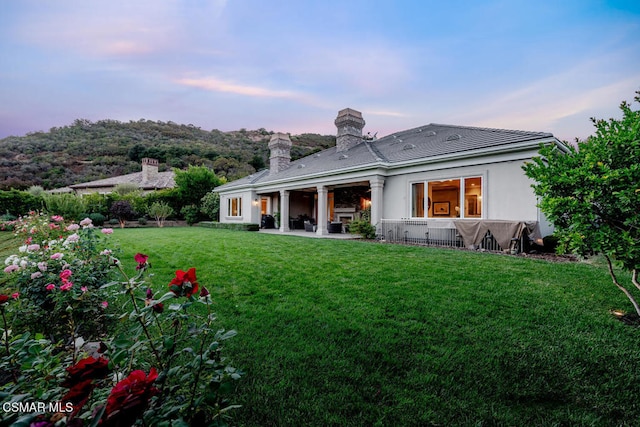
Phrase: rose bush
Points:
(52, 253)
(163, 366)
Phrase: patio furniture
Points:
(334, 227)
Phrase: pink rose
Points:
(104, 304)
(11, 268)
(73, 238)
(65, 274)
(35, 275)
(15, 295)
(50, 287)
(57, 255)
(66, 286)
(107, 231)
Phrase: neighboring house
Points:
(422, 183)
(148, 180)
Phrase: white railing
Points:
(421, 232)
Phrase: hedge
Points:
(240, 227)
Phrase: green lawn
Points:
(354, 333)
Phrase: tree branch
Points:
(622, 288)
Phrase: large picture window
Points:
(451, 198)
(234, 206)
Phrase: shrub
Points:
(123, 211)
(97, 218)
(19, 202)
(363, 226)
(97, 203)
(142, 221)
(160, 211)
(164, 368)
(210, 205)
(225, 226)
(66, 205)
(126, 188)
(56, 253)
(190, 213)
(8, 217)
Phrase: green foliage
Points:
(194, 183)
(231, 226)
(123, 211)
(67, 205)
(138, 202)
(97, 203)
(363, 226)
(165, 365)
(190, 213)
(36, 190)
(210, 205)
(126, 188)
(18, 203)
(55, 246)
(160, 211)
(97, 218)
(58, 158)
(592, 192)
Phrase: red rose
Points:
(185, 283)
(158, 308)
(79, 395)
(130, 397)
(87, 369)
(204, 292)
(141, 259)
(4, 298)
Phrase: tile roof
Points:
(423, 142)
(161, 180)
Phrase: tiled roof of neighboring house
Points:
(420, 143)
(160, 180)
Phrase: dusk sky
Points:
(290, 65)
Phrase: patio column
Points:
(321, 227)
(377, 185)
(284, 210)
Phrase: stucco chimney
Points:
(149, 169)
(349, 123)
(280, 146)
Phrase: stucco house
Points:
(431, 183)
(149, 179)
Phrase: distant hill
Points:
(86, 151)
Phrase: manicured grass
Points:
(354, 333)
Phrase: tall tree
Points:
(194, 182)
(592, 194)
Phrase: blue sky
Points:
(290, 65)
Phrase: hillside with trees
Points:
(86, 151)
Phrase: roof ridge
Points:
(528, 132)
(374, 150)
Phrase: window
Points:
(451, 198)
(234, 206)
(417, 207)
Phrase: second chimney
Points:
(280, 146)
(149, 169)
